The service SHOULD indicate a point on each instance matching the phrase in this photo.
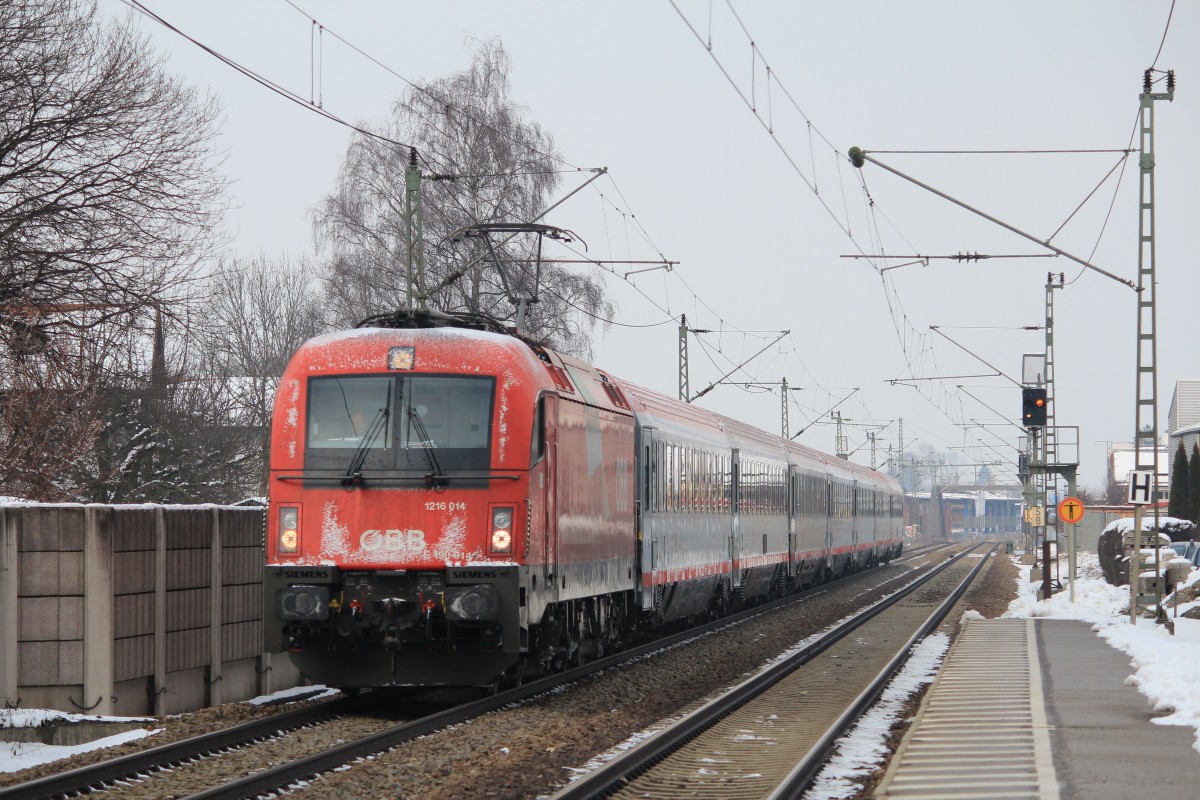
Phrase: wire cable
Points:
(262, 80)
(423, 90)
(1166, 28)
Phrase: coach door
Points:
(550, 529)
(854, 509)
(735, 502)
(649, 501)
(793, 500)
(829, 514)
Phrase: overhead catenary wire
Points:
(262, 80)
(315, 103)
(890, 289)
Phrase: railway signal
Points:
(1033, 407)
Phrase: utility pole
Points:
(412, 230)
(685, 391)
(840, 446)
(1145, 441)
(1046, 460)
(783, 405)
(1050, 479)
(782, 383)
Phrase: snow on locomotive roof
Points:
(398, 333)
(357, 349)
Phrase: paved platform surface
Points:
(1039, 708)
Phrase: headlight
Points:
(302, 602)
(502, 534)
(475, 603)
(288, 539)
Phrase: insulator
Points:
(1170, 80)
(1146, 82)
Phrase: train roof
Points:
(515, 356)
(670, 414)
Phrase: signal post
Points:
(1050, 450)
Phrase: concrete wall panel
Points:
(39, 619)
(241, 565)
(188, 608)
(241, 640)
(51, 528)
(70, 664)
(50, 573)
(188, 569)
(133, 571)
(133, 529)
(51, 619)
(189, 529)
(133, 615)
(151, 625)
(50, 663)
(133, 657)
(187, 649)
(241, 530)
(38, 663)
(241, 603)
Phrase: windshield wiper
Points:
(414, 419)
(354, 470)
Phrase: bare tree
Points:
(109, 197)
(492, 166)
(169, 432)
(259, 312)
(49, 415)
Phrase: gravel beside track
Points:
(528, 750)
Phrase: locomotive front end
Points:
(399, 508)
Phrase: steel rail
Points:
(280, 777)
(83, 779)
(641, 758)
(801, 777)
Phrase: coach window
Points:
(664, 477)
(673, 477)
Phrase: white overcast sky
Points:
(628, 86)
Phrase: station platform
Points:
(1038, 708)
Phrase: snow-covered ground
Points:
(22, 755)
(1165, 668)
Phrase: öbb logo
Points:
(392, 540)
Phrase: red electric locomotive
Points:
(454, 505)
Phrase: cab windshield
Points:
(391, 422)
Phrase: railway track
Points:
(176, 754)
(744, 742)
(140, 771)
(300, 771)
